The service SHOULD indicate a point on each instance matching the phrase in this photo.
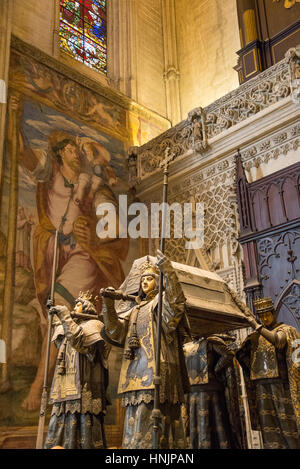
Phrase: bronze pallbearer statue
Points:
(78, 391)
(272, 375)
(136, 331)
(214, 420)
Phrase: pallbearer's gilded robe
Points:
(272, 377)
(214, 420)
(78, 395)
(136, 383)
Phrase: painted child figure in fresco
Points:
(78, 391)
(69, 190)
(214, 420)
(137, 332)
(272, 377)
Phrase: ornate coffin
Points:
(210, 304)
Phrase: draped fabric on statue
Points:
(80, 431)
(276, 416)
(272, 382)
(207, 407)
(138, 427)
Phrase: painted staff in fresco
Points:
(24, 227)
(73, 178)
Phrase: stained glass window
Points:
(83, 31)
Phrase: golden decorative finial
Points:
(164, 164)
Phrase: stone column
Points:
(171, 74)
(6, 7)
(56, 24)
(8, 294)
(121, 46)
(112, 43)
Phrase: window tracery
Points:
(83, 31)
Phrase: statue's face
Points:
(267, 318)
(78, 308)
(148, 283)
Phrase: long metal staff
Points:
(44, 399)
(156, 414)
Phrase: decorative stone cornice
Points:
(203, 126)
(280, 143)
(250, 98)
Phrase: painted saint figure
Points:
(136, 330)
(272, 377)
(214, 420)
(78, 391)
(69, 189)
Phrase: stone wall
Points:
(207, 41)
(203, 37)
(135, 39)
(34, 23)
(150, 56)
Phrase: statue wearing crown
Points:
(135, 329)
(78, 391)
(271, 367)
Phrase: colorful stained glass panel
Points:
(83, 31)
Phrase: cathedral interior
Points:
(214, 86)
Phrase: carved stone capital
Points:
(171, 74)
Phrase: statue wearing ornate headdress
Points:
(78, 391)
(136, 331)
(271, 367)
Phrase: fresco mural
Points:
(65, 170)
(65, 153)
(114, 114)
